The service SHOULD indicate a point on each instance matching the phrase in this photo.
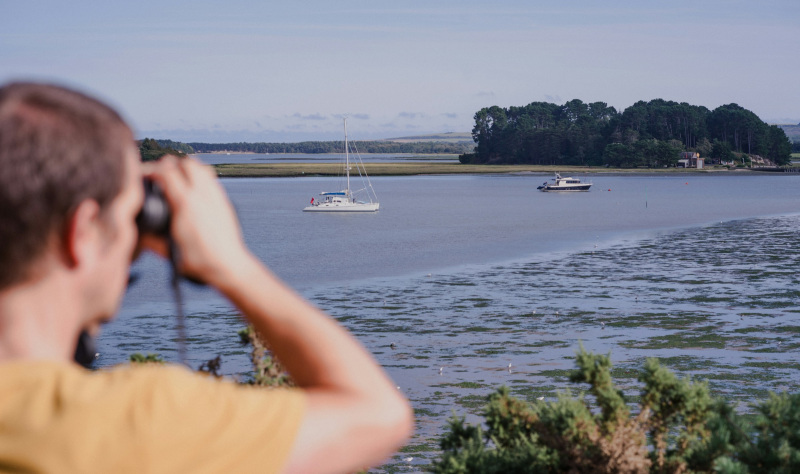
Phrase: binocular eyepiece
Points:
(154, 217)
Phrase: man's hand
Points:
(204, 226)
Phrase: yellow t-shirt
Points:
(60, 418)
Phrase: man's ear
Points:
(81, 232)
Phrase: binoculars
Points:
(154, 217)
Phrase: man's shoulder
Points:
(152, 393)
(55, 373)
(136, 415)
(132, 382)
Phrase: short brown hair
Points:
(58, 147)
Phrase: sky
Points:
(284, 71)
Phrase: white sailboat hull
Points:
(343, 207)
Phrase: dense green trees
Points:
(651, 153)
(151, 150)
(542, 133)
(650, 134)
(181, 147)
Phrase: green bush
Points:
(139, 358)
(267, 370)
(676, 427)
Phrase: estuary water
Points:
(456, 277)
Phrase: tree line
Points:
(313, 147)
(151, 150)
(650, 134)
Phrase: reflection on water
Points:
(458, 277)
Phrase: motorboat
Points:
(564, 184)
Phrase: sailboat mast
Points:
(346, 158)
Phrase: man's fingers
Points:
(169, 172)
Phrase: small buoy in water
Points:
(609, 189)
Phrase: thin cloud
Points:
(409, 115)
(310, 117)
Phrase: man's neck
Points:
(39, 319)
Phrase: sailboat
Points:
(348, 200)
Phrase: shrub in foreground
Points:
(676, 427)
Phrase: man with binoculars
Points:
(70, 190)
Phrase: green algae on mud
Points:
(695, 311)
(680, 340)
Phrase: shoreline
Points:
(292, 170)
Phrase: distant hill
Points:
(450, 137)
(792, 131)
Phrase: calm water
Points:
(470, 273)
